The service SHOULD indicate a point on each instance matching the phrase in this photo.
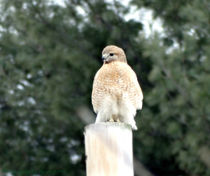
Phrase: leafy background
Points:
(49, 54)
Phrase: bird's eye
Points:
(111, 54)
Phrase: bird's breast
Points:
(113, 79)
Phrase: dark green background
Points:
(48, 57)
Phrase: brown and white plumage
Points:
(116, 93)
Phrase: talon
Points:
(118, 120)
(111, 120)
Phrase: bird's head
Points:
(113, 53)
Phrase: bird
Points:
(116, 92)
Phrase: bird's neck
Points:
(115, 61)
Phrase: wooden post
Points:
(109, 149)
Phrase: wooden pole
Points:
(109, 149)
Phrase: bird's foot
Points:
(111, 120)
(118, 120)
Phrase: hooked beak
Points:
(104, 57)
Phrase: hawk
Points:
(116, 93)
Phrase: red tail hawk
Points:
(116, 93)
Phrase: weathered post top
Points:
(109, 149)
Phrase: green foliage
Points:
(48, 57)
(179, 99)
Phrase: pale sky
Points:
(143, 15)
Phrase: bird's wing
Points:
(98, 90)
(133, 88)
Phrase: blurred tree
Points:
(177, 113)
(48, 56)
